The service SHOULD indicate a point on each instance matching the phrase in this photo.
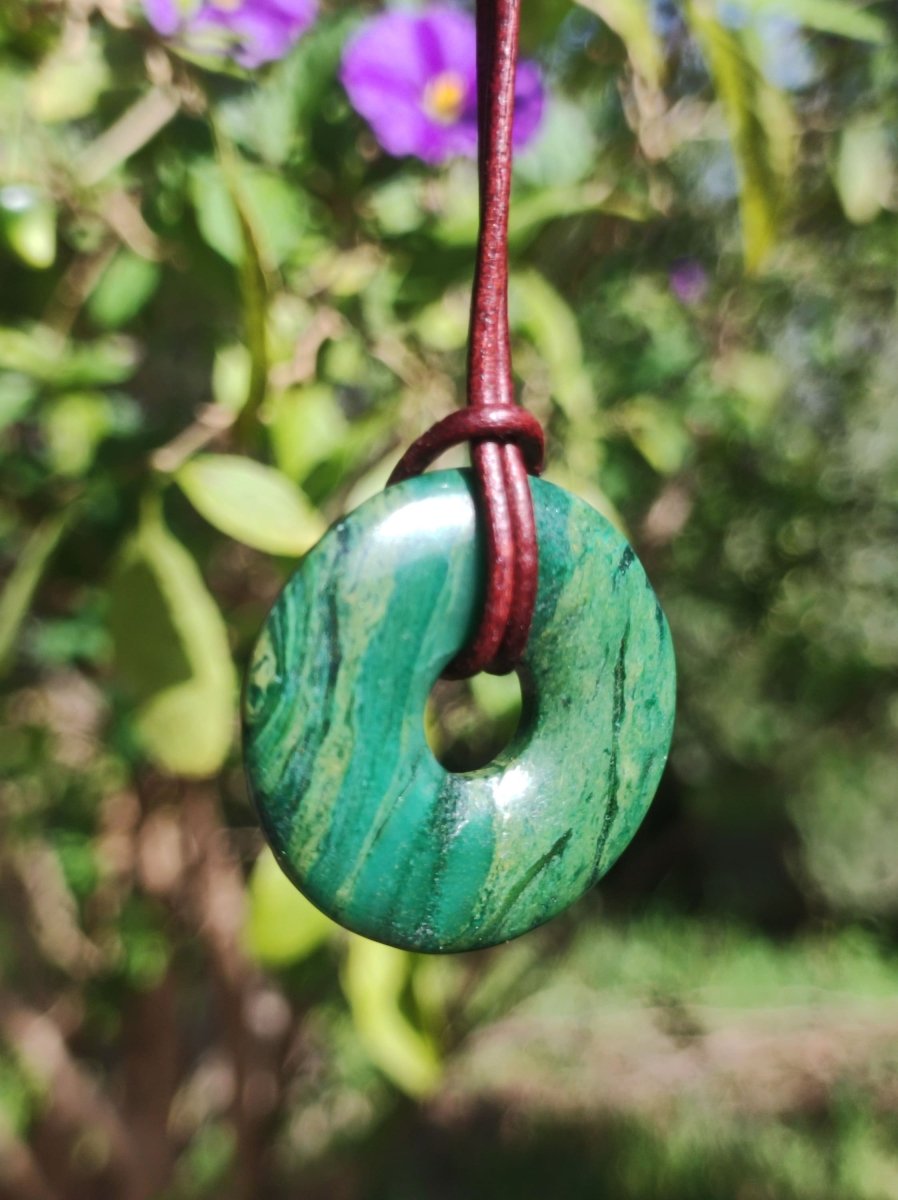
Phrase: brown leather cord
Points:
(506, 440)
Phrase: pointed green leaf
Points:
(42, 354)
(633, 22)
(760, 125)
(20, 586)
(865, 171)
(69, 82)
(251, 503)
(374, 978)
(307, 426)
(283, 926)
(28, 224)
(841, 17)
(232, 376)
(543, 316)
(171, 653)
(124, 288)
(272, 205)
(657, 432)
(73, 427)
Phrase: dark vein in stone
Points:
(555, 851)
(617, 717)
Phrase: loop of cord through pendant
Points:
(506, 441)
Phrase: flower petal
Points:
(386, 47)
(252, 32)
(447, 41)
(164, 15)
(393, 58)
(529, 103)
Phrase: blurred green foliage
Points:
(223, 314)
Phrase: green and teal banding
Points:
(362, 817)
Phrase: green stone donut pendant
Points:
(362, 817)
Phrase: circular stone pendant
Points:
(361, 816)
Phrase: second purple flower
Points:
(413, 77)
(251, 32)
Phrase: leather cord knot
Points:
(508, 425)
(506, 440)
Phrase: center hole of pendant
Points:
(468, 722)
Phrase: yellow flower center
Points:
(444, 98)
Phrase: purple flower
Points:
(251, 32)
(688, 280)
(413, 77)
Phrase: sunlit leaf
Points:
(865, 170)
(28, 224)
(566, 150)
(21, 584)
(69, 82)
(497, 696)
(282, 926)
(443, 325)
(374, 978)
(457, 225)
(42, 354)
(539, 312)
(255, 257)
(758, 381)
(633, 22)
(250, 502)
(656, 431)
(17, 394)
(397, 205)
(231, 374)
(274, 207)
(171, 652)
(73, 427)
(760, 126)
(307, 426)
(124, 288)
(841, 17)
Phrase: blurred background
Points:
(225, 310)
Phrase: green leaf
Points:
(657, 433)
(374, 978)
(124, 288)
(272, 205)
(307, 426)
(566, 150)
(28, 224)
(18, 591)
(252, 503)
(282, 926)
(397, 205)
(42, 354)
(540, 313)
(865, 172)
(457, 226)
(74, 425)
(760, 125)
(216, 215)
(232, 376)
(633, 22)
(69, 82)
(17, 395)
(826, 16)
(443, 325)
(255, 255)
(171, 652)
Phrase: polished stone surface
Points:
(359, 812)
